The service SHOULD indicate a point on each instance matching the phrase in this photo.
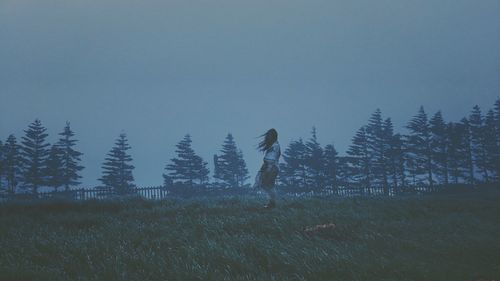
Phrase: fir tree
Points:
(70, 158)
(390, 155)
(477, 135)
(314, 161)
(376, 149)
(467, 159)
(117, 170)
(455, 153)
(379, 135)
(293, 170)
(439, 147)
(54, 169)
(397, 158)
(230, 167)
(2, 170)
(331, 166)
(12, 163)
(167, 181)
(2, 160)
(217, 169)
(34, 152)
(344, 175)
(187, 166)
(496, 112)
(419, 145)
(242, 171)
(490, 145)
(360, 162)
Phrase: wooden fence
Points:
(153, 192)
(161, 192)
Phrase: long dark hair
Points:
(268, 139)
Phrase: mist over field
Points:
(160, 69)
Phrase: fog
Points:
(157, 70)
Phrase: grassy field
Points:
(440, 237)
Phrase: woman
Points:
(269, 171)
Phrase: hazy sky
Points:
(160, 69)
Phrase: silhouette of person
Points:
(268, 172)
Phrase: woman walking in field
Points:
(267, 174)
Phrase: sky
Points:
(158, 70)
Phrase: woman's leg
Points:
(271, 194)
(267, 178)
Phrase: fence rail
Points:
(161, 192)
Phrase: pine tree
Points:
(217, 169)
(397, 158)
(467, 159)
(377, 149)
(54, 169)
(293, 170)
(360, 162)
(12, 163)
(419, 145)
(242, 171)
(439, 148)
(117, 170)
(70, 158)
(331, 166)
(167, 181)
(456, 152)
(34, 152)
(496, 112)
(476, 123)
(230, 167)
(2, 160)
(343, 171)
(390, 148)
(188, 166)
(314, 161)
(491, 146)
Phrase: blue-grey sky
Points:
(160, 69)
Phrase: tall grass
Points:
(414, 238)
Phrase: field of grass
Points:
(439, 237)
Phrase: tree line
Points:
(35, 163)
(433, 153)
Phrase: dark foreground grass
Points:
(444, 237)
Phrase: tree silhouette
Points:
(478, 142)
(496, 156)
(314, 161)
(12, 163)
(70, 158)
(293, 170)
(490, 145)
(467, 159)
(53, 169)
(419, 145)
(2, 160)
(331, 166)
(187, 166)
(359, 158)
(117, 170)
(230, 167)
(439, 148)
(34, 152)
(378, 148)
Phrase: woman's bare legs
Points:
(271, 194)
